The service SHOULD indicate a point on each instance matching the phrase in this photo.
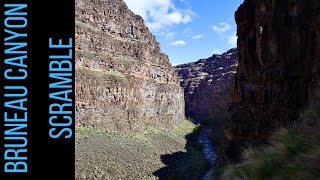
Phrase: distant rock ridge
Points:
(123, 81)
(206, 85)
(279, 68)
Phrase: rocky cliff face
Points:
(206, 85)
(123, 81)
(279, 68)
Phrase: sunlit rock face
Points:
(206, 86)
(123, 81)
(279, 59)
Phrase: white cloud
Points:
(232, 39)
(216, 51)
(221, 28)
(197, 36)
(177, 43)
(160, 14)
(224, 30)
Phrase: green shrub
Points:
(190, 120)
(294, 153)
(288, 143)
(197, 129)
(291, 156)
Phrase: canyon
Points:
(206, 84)
(123, 81)
(131, 103)
(130, 108)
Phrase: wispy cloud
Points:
(197, 36)
(177, 43)
(224, 30)
(221, 28)
(160, 14)
(232, 39)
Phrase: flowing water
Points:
(208, 151)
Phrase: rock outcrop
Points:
(123, 81)
(206, 86)
(279, 68)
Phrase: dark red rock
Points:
(279, 67)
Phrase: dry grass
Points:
(124, 60)
(106, 154)
(87, 53)
(97, 73)
(294, 153)
(86, 26)
(106, 57)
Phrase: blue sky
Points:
(187, 29)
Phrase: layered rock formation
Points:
(279, 68)
(123, 81)
(206, 85)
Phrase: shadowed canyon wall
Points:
(123, 81)
(206, 86)
(279, 68)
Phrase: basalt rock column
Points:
(123, 81)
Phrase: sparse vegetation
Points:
(190, 120)
(86, 26)
(106, 57)
(197, 129)
(108, 154)
(102, 73)
(124, 60)
(86, 53)
(186, 126)
(177, 132)
(294, 153)
(114, 73)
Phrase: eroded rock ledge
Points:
(206, 86)
(123, 81)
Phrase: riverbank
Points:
(104, 154)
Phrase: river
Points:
(208, 151)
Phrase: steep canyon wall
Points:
(123, 81)
(206, 86)
(279, 68)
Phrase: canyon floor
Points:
(154, 153)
